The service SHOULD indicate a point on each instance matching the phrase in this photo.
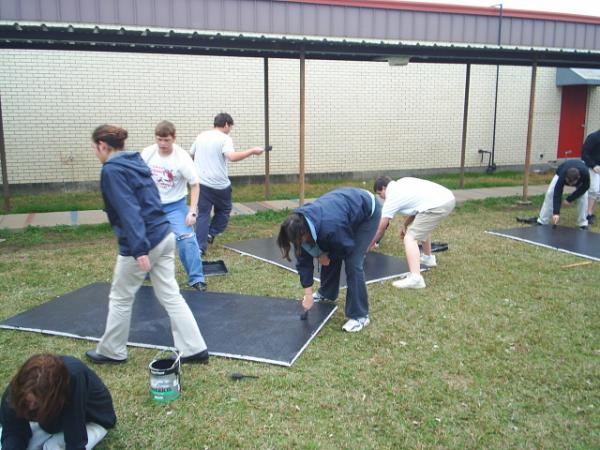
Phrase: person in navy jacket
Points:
(146, 245)
(336, 228)
(55, 402)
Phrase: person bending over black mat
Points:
(146, 244)
(571, 173)
(335, 228)
(425, 205)
(55, 402)
(590, 154)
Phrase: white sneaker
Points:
(412, 281)
(355, 325)
(428, 260)
(317, 297)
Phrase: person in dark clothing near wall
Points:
(335, 228)
(590, 154)
(571, 173)
(146, 245)
(55, 402)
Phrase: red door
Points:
(572, 121)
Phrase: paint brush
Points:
(236, 376)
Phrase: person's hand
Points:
(402, 231)
(566, 203)
(555, 219)
(143, 263)
(190, 219)
(257, 150)
(596, 169)
(308, 301)
(324, 259)
(373, 246)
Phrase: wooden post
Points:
(461, 182)
(302, 112)
(5, 186)
(267, 154)
(525, 200)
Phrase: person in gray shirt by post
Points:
(211, 152)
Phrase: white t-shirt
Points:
(172, 173)
(209, 150)
(410, 196)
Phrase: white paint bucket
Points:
(164, 377)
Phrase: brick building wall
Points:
(360, 116)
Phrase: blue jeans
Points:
(357, 299)
(189, 253)
(220, 199)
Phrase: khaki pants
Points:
(426, 221)
(127, 280)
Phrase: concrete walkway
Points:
(17, 221)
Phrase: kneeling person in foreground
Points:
(425, 204)
(335, 228)
(55, 402)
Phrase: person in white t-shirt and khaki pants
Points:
(424, 204)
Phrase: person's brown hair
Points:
(290, 233)
(164, 129)
(381, 182)
(112, 135)
(572, 176)
(46, 378)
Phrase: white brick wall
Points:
(359, 116)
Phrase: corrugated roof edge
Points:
(290, 37)
(453, 9)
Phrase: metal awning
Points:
(577, 77)
(35, 35)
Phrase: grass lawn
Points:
(501, 350)
(80, 201)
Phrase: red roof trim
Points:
(453, 9)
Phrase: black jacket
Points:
(590, 152)
(580, 188)
(90, 401)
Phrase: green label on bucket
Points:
(164, 380)
(164, 388)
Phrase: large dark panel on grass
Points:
(264, 329)
(578, 242)
(378, 266)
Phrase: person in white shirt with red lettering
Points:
(172, 170)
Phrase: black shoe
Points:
(210, 239)
(198, 358)
(591, 219)
(583, 227)
(97, 358)
(200, 286)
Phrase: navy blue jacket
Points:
(336, 216)
(590, 152)
(90, 401)
(580, 188)
(132, 204)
